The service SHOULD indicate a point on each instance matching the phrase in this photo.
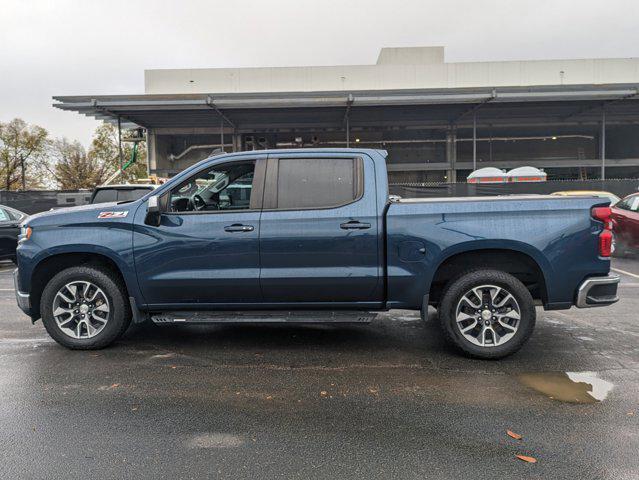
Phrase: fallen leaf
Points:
(514, 435)
(323, 393)
(115, 385)
(269, 397)
(526, 459)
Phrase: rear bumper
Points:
(598, 291)
(23, 299)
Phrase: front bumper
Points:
(23, 299)
(598, 291)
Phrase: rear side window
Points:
(303, 183)
(134, 194)
(14, 215)
(104, 196)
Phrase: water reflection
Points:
(571, 387)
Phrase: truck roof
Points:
(382, 152)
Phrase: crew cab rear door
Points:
(319, 230)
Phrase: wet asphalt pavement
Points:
(387, 400)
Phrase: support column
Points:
(237, 142)
(451, 154)
(120, 142)
(602, 143)
(222, 133)
(474, 141)
(151, 153)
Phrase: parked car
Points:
(120, 193)
(310, 235)
(10, 219)
(625, 221)
(593, 193)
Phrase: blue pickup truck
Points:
(311, 235)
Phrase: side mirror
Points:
(153, 212)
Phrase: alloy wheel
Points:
(81, 309)
(488, 316)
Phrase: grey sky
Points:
(64, 47)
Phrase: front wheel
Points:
(487, 314)
(85, 308)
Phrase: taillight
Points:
(606, 241)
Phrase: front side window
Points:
(5, 216)
(304, 183)
(223, 187)
(634, 204)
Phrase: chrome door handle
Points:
(236, 227)
(354, 225)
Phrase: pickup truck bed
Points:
(310, 235)
(550, 240)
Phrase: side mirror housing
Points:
(153, 212)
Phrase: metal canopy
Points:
(374, 109)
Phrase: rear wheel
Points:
(85, 307)
(487, 313)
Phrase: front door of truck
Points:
(206, 248)
(319, 232)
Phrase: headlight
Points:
(25, 234)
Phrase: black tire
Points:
(114, 290)
(458, 287)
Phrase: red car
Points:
(625, 224)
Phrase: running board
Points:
(265, 316)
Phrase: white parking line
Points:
(7, 290)
(618, 270)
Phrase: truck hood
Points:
(82, 213)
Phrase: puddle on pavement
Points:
(572, 387)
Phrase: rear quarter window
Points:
(304, 183)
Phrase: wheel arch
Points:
(518, 259)
(54, 263)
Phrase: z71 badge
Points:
(112, 214)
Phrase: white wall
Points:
(426, 70)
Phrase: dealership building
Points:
(575, 119)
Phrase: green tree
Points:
(22, 147)
(105, 149)
(72, 168)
